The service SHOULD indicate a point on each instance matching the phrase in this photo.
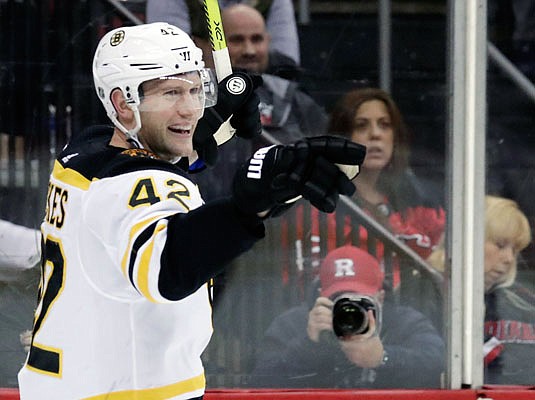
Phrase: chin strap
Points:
(134, 143)
(131, 134)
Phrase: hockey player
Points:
(129, 246)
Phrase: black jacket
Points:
(510, 318)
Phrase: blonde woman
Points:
(509, 347)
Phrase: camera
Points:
(350, 314)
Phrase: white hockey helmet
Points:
(128, 56)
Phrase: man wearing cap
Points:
(398, 347)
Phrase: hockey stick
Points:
(223, 67)
(222, 64)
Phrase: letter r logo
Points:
(344, 267)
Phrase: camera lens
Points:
(349, 318)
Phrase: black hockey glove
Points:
(275, 177)
(237, 100)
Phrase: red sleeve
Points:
(419, 227)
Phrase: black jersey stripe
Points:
(138, 243)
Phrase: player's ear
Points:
(124, 112)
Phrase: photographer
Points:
(366, 342)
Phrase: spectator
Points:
(189, 16)
(400, 349)
(509, 157)
(509, 346)
(286, 113)
(511, 27)
(389, 192)
(387, 189)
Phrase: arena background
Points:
(47, 95)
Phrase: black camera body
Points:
(350, 314)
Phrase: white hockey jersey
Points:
(102, 328)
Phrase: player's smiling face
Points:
(169, 111)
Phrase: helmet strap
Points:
(131, 134)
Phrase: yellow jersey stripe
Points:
(70, 176)
(144, 263)
(164, 392)
(133, 234)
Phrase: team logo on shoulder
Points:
(139, 153)
(117, 38)
(236, 85)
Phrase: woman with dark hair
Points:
(346, 121)
(389, 192)
(386, 187)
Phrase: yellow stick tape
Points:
(215, 26)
